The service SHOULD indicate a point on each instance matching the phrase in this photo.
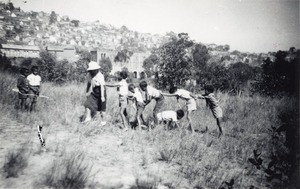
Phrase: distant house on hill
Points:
(25, 51)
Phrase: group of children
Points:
(29, 86)
(142, 95)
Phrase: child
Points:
(190, 102)
(213, 104)
(95, 92)
(23, 86)
(150, 93)
(136, 95)
(34, 86)
(170, 117)
(123, 92)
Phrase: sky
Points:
(245, 25)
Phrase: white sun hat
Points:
(93, 66)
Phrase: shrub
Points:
(72, 172)
(16, 161)
(150, 182)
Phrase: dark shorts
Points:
(94, 102)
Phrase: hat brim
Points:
(95, 68)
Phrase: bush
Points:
(16, 162)
(72, 172)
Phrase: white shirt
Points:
(34, 80)
(138, 95)
(123, 89)
(167, 116)
(153, 92)
(98, 80)
(183, 94)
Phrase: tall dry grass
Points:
(200, 160)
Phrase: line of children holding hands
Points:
(29, 88)
(144, 94)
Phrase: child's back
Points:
(167, 116)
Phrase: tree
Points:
(123, 55)
(53, 18)
(281, 75)
(47, 65)
(150, 64)
(173, 67)
(10, 6)
(75, 22)
(106, 66)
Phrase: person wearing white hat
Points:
(95, 92)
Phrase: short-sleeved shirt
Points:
(34, 80)
(167, 116)
(153, 92)
(123, 89)
(98, 80)
(183, 94)
(95, 82)
(137, 95)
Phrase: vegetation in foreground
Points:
(258, 149)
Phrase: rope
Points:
(42, 96)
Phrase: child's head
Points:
(173, 90)
(209, 89)
(131, 87)
(143, 85)
(180, 114)
(24, 71)
(34, 70)
(123, 75)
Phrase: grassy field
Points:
(251, 154)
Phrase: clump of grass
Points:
(149, 182)
(16, 161)
(72, 172)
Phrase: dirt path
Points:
(114, 164)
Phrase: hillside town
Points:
(24, 34)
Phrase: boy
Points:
(136, 95)
(213, 104)
(34, 86)
(96, 93)
(149, 93)
(170, 117)
(23, 86)
(190, 102)
(123, 92)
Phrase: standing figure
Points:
(149, 93)
(213, 104)
(23, 87)
(123, 92)
(96, 94)
(136, 96)
(190, 102)
(34, 86)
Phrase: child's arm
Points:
(169, 95)
(201, 96)
(112, 85)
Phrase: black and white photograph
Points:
(149, 94)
